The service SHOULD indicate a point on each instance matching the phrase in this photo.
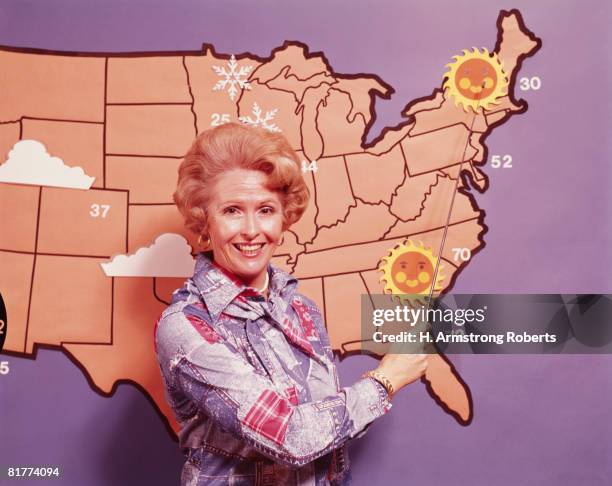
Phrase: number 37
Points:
(99, 210)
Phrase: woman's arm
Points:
(229, 390)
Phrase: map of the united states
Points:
(90, 256)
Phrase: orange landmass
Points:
(434, 150)
(340, 126)
(312, 139)
(333, 184)
(77, 144)
(161, 130)
(361, 90)
(408, 201)
(463, 234)
(343, 308)
(270, 99)
(131, 355)
(165, 286)
(148, 222)
(388, 171)
(292, 70)
(15, 279)
(365, 199)
(282, 262)
(76, 222)
(149, 180)
(436, 207)
(305, 228)
(71, 302)
(444, 383)
(363, 222)
(432, 103)
(389, 139)
(497, 116)
(51, 86)
(9, 136)
(345, 259)
(446, 115)
(18, 210)
(479, 178)
(210, 105)
(288, 81)
(290, 246)
(372, 281)
(153, 79)
(515, 42)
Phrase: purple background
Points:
(537, 420)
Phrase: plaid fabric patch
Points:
(291, 394)
(305, 319)
(204, 329)
(270, 416)
(296, 336)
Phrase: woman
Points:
(245, 358)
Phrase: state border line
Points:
(25, 252)
(388, 239)
(25, 341)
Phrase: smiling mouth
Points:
(249, 249)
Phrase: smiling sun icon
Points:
(476, 79)
(409, 269)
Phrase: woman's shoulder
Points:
(184, 300)
(186, 313)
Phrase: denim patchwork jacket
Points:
(253, 384)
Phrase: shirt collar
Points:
(218, 287)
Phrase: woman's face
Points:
(245, 223)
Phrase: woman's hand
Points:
(406, 362)
(402, 369)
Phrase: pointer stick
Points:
(437, 366)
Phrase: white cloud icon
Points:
(29, 163)
(168, 256)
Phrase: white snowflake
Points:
(232, 77)
(258, 121)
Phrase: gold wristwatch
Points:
(382, 379)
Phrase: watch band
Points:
(382, 379)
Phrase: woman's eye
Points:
(230, 210)
(267, 210)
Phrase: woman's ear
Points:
(204, 243)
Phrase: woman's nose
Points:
(250, 227)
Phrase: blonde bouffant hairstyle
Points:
(235, 146)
